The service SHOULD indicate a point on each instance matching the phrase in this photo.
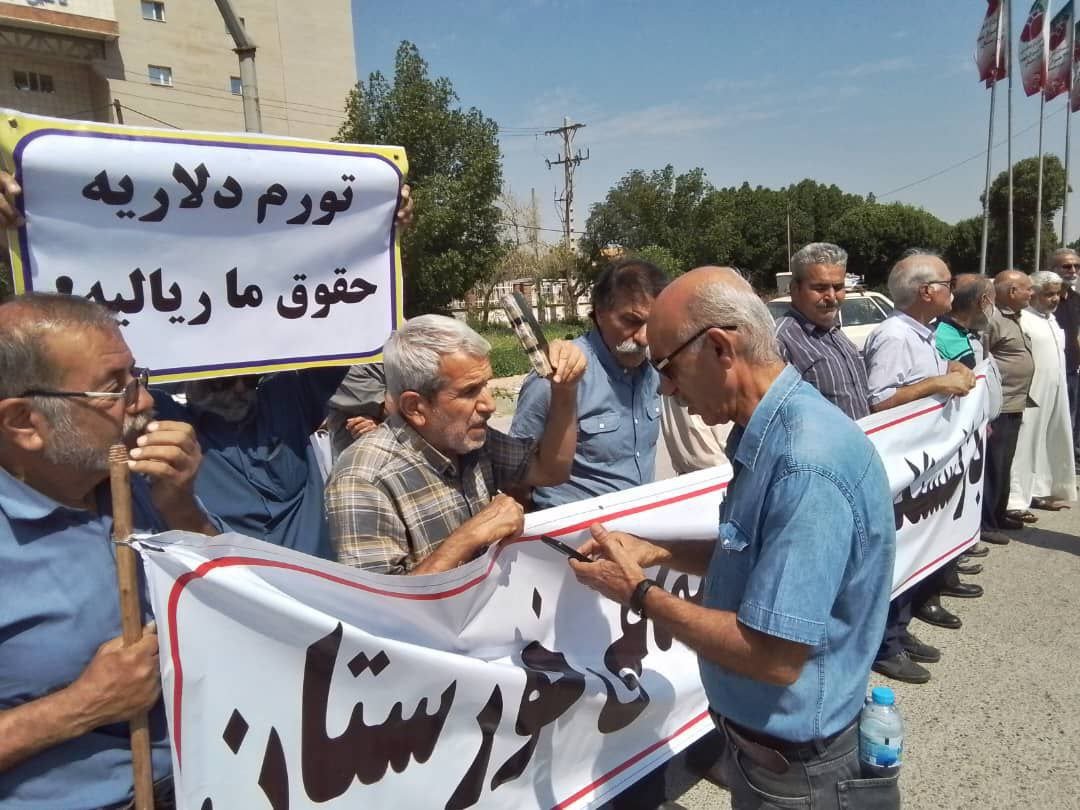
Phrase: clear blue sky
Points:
(871, 96)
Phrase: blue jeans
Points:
(826, 778)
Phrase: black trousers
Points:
(1000, 450)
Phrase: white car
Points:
(860, 312)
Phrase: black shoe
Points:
(962, 590)
(918, 651)
(938, 616)
(901, 668)
(997, 538)
(965, 566)
(978, 550)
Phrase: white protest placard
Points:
(504, 683)
(221, 253)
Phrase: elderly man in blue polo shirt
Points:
(618, 400)
(69, 389)
(797, 581)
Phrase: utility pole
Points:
(245, 50)
(119, 111)
(569, 162)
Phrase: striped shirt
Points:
(827, 359)
(392, 498)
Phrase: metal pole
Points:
(1038, 193)
(1065, 203)
(119, 111)
(986, 193)
(1008, 150)
(245, 51)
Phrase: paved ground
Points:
(998, 725)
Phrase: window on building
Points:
(31, 82)
(153, 10)
(236, 86)
(160, 75)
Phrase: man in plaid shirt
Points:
(420, 493)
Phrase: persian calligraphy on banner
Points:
(220, 253)
(291, 682)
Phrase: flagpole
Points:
(986, 194)
(1038, 193)
(1065, 203)
(1008, 148)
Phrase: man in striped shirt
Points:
(809, 332)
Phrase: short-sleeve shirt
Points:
(261, 475)
(59, 604)
(392, 498)
(827, 359)
(618, 412)
(956, 342)
(900, 352)
(1011, 348)
(805, 553)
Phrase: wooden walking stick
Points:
(131, 618)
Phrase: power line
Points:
(146, 115)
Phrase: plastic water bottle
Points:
(881, 734)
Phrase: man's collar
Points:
(745, 445)
(957, 326)
(607, 359)
(808, 325)
(20, 501)
(407, 435)
(920, 328)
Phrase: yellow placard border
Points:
(18, 129)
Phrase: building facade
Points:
(171, 63)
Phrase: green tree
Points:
(876, 235)
(454, 170)
(965, 246)
(1025, 195)
(662, 258)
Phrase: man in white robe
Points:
(1042, 471)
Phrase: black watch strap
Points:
(637, 598)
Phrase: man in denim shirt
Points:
(618, 400)
(797, 583)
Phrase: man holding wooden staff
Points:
(69, 389)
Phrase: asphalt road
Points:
(998, 725)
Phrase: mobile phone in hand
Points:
(560, 546)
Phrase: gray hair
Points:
(25, 323)
(412, 354)
(909, 274)
(1043, 278)
(817, 253)
(1061, 253)
(738, 306)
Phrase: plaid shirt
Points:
(393, 498)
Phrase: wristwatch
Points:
(637, 598)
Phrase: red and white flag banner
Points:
(1033, 49)
(990, 48)
(1059, 63)
(291, 682)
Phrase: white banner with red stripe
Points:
(296, 683)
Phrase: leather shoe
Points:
(962, 590)
(1011, 523)
(979, 550)
(938, 616)
(918, 651)
(965, 566)
(997, 538)
(901, 668)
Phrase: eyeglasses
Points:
(662, 364)
(948, 283)
(140, 378)
(1070, 266)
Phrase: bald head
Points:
(1012, 290)
(911, 274)
(712, 296)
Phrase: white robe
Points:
(1043, 466)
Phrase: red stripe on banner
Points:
(229, 562)
(636, 758)
(915, 415)
(952, 551)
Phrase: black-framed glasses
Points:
(1070, 266)
(140, 378)
(662, 364)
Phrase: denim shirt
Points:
(804, 553)
(59, 604)
(618, 412)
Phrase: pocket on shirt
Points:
(879, 793)
(596, 439)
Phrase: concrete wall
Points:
(73, 83)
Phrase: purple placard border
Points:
(24, 246)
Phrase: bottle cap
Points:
(883, 696)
